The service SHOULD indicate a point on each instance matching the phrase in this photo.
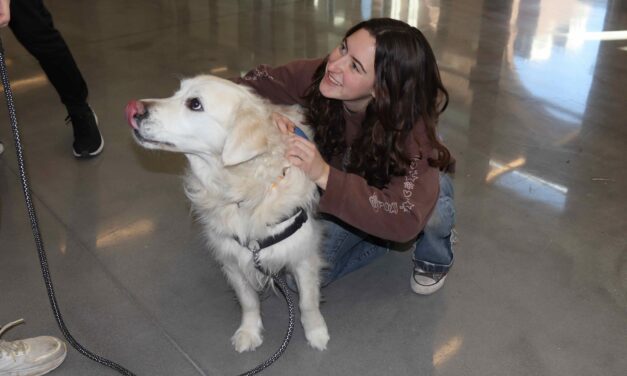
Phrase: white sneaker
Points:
(1, 148)
(425, 283)
(30, 357)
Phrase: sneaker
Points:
(88, 141)
(425, 283)
(30, 357)
(1, 148)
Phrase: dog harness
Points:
(301, 217)
(257, 245)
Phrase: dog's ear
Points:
(246, 140)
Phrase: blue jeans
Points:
(346, 249)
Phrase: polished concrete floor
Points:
(537, 122)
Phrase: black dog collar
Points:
(256, 245)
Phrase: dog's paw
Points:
(318, 338)
(246, 340)
(316, 330)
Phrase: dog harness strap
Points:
(256, 245)
(301, 218)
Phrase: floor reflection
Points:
(526, 185)
(112, 236)
(554, 57)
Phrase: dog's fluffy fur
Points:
(241, 185)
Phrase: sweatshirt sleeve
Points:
(397, 213)
(285, 84)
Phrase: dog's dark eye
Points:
(194, 104)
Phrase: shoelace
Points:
(13, 348)
(435, 276)
(68, 119)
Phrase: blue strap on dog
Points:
(299, 132)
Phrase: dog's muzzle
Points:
(135, 113)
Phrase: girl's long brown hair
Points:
(407, 89)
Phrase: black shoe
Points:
(88, 141)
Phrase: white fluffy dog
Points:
(243, 190)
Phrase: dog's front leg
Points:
(248, 336)
(308, 279)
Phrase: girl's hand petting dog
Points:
(282, 122)
(303, 153)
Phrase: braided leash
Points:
(280, 282)
(32, 215)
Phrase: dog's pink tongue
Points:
(133, 108)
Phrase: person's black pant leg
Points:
(32, 25)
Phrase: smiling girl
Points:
(374, 104)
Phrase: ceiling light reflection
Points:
(114, 236)
(218, 70)
(599, 35)
(413, 13)
(541, 48)
(395, 11)
(63, 246)
(339, 20)
(496, 171)
(447, 351)
(405, 11)
(567, 138)
(555, 59)
(529, 186)
(28, 83)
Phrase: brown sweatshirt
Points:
(397, 212)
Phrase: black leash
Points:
(280, 282)
(43, 259)
(34, 223)
(255, 246)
